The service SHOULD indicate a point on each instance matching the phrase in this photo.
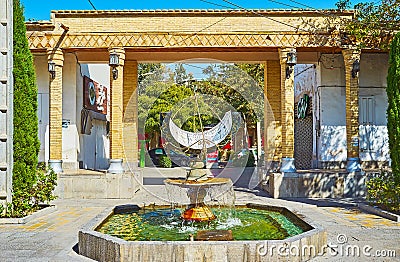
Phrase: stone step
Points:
(92, 185)
(3, 194)
(3, 166)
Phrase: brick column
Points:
(272, 123)
(287, 113)
(352, 125)
(55, 110)
(116, 113)
(130, 122)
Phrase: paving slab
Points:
(53, 237)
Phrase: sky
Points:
(40, 9)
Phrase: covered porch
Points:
(267, 37)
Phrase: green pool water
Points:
(166, 225)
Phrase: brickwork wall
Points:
(272, 94)
(352, 90)
(130, 124)
(116, 108)
(287, 107)
(190, 22)
(55, 104)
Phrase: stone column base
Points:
(353, 164)
(288, 165)
(56, 165)
(116, 166)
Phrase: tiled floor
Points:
(52, 237)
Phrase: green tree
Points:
(30, 186)
(393, 110)
(144, 70)
(237, 76)
(374, 25)
(158, 95)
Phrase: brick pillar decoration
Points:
(272, 123)
(351, 58)
(116, 113)
(6, 102)
(55, 112)
(130, 120)
(287, 112)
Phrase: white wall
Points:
(374, 141)
(373, 70)
(70, 143)
(332, 142)
(333, 124)
(42, 81)
(94, 148)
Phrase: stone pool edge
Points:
(102, 247)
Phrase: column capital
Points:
(283, 51)
(351, 54)
(56, 55)
(120, 51)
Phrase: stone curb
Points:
(103, 247)
(379, 212)
(23, 220)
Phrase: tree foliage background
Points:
(163, 88)
(375, 23)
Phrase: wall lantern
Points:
(291, 61)
(51, 67)
(355, 69)
(114, 62)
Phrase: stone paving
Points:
(53, 237)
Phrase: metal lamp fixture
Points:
(114, 63)
(355, 69)
(51, 67)
(291, 61)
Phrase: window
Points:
(367, 110)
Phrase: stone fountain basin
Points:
(302, 247)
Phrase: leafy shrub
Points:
(384, 191)
(26, 202)
(165, 161)
(46, 182)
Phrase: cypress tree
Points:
(393, 111)
(26, 141)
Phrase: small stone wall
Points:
(97, 185)
(316, 184)
(101, 247)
